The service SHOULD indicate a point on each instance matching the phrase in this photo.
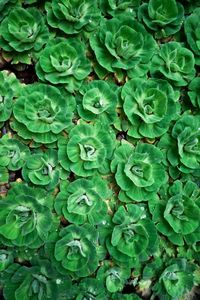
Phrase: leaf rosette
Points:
(13, 153)
(163, 17)
(117, 7)
(38, 282)
(6, 6)
(192, 32)
(177, 213)
(76, 250)
(97, 101)
(176, 280)
(83, 200)
(23, 30)
(182, 147)
(91, 288)
(134, 236)
(123, 43)
(42, 169)
(42, 112)
(73, 16)
(88, 151)
(150, 106)
(114, 277)
(64, 61)
(175, 63)
(27, 220)
(138, 171)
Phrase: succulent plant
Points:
(41, 113)
(150, 106)
(26, 221)
(163, 17)
(88, 151)
(64, 61)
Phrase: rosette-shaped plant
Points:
(83, 201)
(9, 88)
(194, 92)
(23, 30)
(76, 250)
(27, 220)
(91, 288)
(114, 277)
(73, 16)
(177, 214)
(42, 168)
(122, 43)
(64, 61)
(13, 153)
(42, 112)
(116, 7)
(150, 105)
(182, 147)
(6, 259)
(138, 171)
(134, 236)
(165, 17)
(192, 32)
(6, 6)
(38, 282)
(89, 149)
(175, 63)
(97, 100)
(176, 280)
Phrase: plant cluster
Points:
(99, 149)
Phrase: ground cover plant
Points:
(100, 149)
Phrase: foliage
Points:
(176, 279)
(114, 7)
(13, 154)
(175, 63)
(6, 6)
(9, 88)
(99, 149)
(176, 214)
(194, 92)
(192, 32)
(182, 146)
(42, 168)
(41, 112)
(122, 43)
(89, 149)
(150, 106)
(138, 171)
(97, 100)
(27, 220)
(36, 282)
(73, 17)
(63, 61)
(133, 236)
(163, 17)
(23, 30)
(83, 201)
(75, 250)
(114, 277)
